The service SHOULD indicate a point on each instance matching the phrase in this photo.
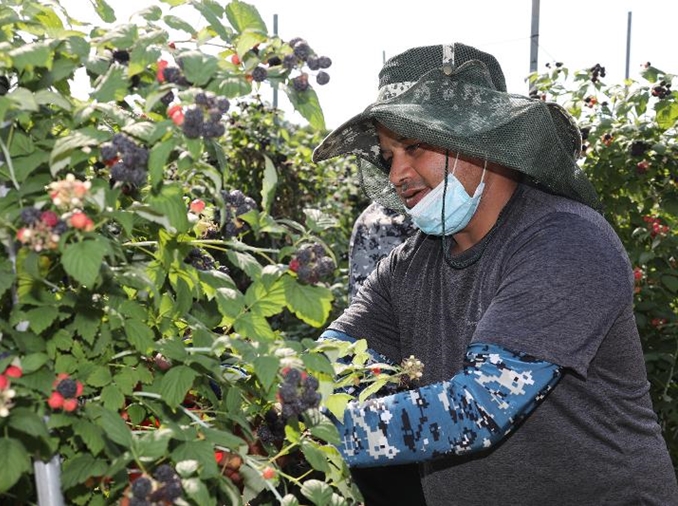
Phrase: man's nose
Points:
(400, 170)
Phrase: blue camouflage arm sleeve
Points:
(472, 411)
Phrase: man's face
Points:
(416, 167)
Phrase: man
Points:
(516, 295)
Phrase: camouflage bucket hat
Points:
(454, 96)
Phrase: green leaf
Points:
(87, 324)
(231, 303)
(311, 304)
(253, 326)
(99, 376)
(77, 469)
(157, 160)
(105, 12)
(170, 204)
(7, 277)
(41, 318)
(326, 431)
(112, 86)
(14, 462)
(198, 67)
(29, 56)
(82, 260)
(245, 262)
(244, 16)
(314, 456)
(113, 425)
(154, 444)
(318, 492)
(60, 156)
(306, 102)
(139, 335)
(27, 421)
(90, 434)
(177, 23)
(211, 12)
(266, 300)
(317, 362)
(670, 282)
(141, 58)
(47, 97)
(268, 185)
(667, 114)
(337, 402)
(266, 369)
(203, 452)
(33, 362)
(197, 491)
(175, 385)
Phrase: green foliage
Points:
(148, 307)
(630, 153)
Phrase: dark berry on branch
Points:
(290, 61)
(259, 74)
(322, 77)
(325, 62)
(213, 129)
(121, 56)
(313, 63)
(201, 99)
(60, 228)
(302, 50)
(193, 122)
(638, 148)
(274, 61)
(135, 501)
(294, 41)
(4, 85)
(141, 487)
(300, 83)
(30, 215)
(172, 490)
(167, 98)
(67, 387)
(164, 473)
(223, 105)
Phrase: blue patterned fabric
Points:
(475, 409)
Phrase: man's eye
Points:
(413, 147)
(385, 162)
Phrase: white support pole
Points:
(628, 45)
(534, 36)
(48, 482)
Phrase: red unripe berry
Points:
(172, 45)
(235, 59)
(268, 473)
(642, 167)
(49, 218)
(376, 370)
(70, 404)
(81, 221)
(4, 382)
(162, 65)
(637, 273)
(55, 401)
(197, 206)
(13, 371)
(294, 265)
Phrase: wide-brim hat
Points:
(454, 97)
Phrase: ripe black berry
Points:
(300, 83)
(312, 63)
(121, 56)
(322, 77)
(302, 50)
(259, 73)
(164, 473)
(30, 215)
(67, 387)
(4, 85)
(325, 62)
(274, 61)
(141, 487)
(290, 61)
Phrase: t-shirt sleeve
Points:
(562, 288)
(370, 315)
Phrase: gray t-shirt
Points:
(555, 282)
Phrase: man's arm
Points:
(472, 411)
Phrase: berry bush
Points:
(156, 342)
(630, 152)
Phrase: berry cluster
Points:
(69, 193)
(200, 259)
(127, 161)
(272, 431)
(192, 119)
(297, 393)
(412, 367)
(170, 74)
(301, 55)
(311, 263)
(638, 148)
(42, 231)
(230, 464)
(662, 90)
(163, 488)
(655, 227)
(7, 393)
(236, 203)
(597, 71)
(65, 394)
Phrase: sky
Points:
(358, 34)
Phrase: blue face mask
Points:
(451, 197)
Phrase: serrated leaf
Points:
(307, 104)
(14, 462)
(176, 383)
(207, 9)
(253, 326)
(198, 67)
(243, 16)
(29, 56)
(197, 491)
(41, 318)
(90, 434)
(82, 260)
(139, 335)
(47, 97)
(265, 300)
(99, 376)
(77, 469)
(266, 369)
(326, 431)
(317, 362)
(157, 160)
(311, 304)
(87, 325)
(177, 23)
(105, 12)
(231, 303)
(113, 425)
(169, 203)
(336, 403)
(141, 58)
(245, 262)
(314, 456)
(203, 452)
(60, 156)
(27, 421)
(318, 492)
(113, 86)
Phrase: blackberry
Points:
(259, 74)
(638, 148)
(201, 99)
(223, 105)
(213, 130)
(67, 387)
(200, 260)
(302, 50)
(294, 41)
(290, 61)
(135, 501)
(167, 98)
(322, 77)
(300, 83)
(193, 122)
(324, 62)
(311, 263)
(141, 487)
(164, 473)
(274, 61)
(30, 215)
(313, 63)
(4, 85)
(60, 228)
(121, 56)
